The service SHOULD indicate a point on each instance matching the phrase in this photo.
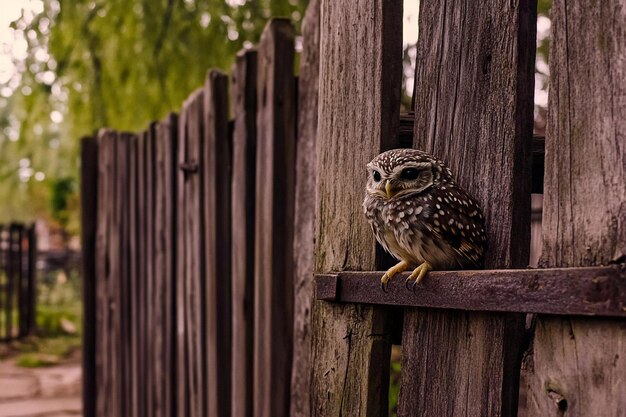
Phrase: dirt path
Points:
(40, 392)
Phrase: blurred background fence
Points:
(18, 254)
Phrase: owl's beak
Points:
(389, 189)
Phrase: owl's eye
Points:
(376, 176)
(409, 174)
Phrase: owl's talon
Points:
(384, 283)
(399, 267)
(418, 275)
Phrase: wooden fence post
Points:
(244, 98)
(474, 110)
(578, 365)
(89, 226)
(273, 269)
(359, 102)
(191, 309)
(216, 212)
(165, 264)
(304, 233)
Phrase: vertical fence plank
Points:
(304, 233)
(10, 283)
(244, 97)
(121, 279)
(140, 281)
(359, 102)
(474, 110)
(103, 274)
(578, 366)
(151, 304)
(216, 212)
(165, 249)
(89, 225)
(273, 283)
(182, 396)
(32, 273)
(21, 280)
(191, 259)
(134, 267)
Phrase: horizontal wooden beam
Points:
(593, 291)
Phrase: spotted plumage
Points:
(421, 216)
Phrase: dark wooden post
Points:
(165, 261)
(191, 308)
(359, 96)
(474, 110)
(216, 212)
(89, 226)
(578, 365)
(304, 232)
(21, 280)
(273, 268)
(32, 279)
(244, 99)
(104, 397)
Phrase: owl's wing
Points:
(459, 223)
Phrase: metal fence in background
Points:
(18, 253)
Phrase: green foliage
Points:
(109, 63)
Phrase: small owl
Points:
(421, 216)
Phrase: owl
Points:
(421, 216)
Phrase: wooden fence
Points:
(217, 251)
(18, 254)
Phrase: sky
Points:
(11, 46)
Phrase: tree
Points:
(112, 63)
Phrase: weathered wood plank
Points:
(595, 291)
(152, 307)
(359, 101)
(273, 279)
(475, 75)
(122, 307)
(577, 366)
(134, 267)
(141, 300)
(182, 388)
(165, 249)
(89, 228)
(103, 399)
(217, 243)
(244, 98)
(304, 233)
(192, 259)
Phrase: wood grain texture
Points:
(149, 324)
(217, 242)
(578, 365)
(273, 269)
(141, 279)
(593, 291)
(474, 110)
(304, 233)
(165, 248)
(191, 256)
(134, 266)
(164, 274)
(104, 401)
(89, 229)
(244, 98)
(359, 100)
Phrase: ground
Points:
(53, 391)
